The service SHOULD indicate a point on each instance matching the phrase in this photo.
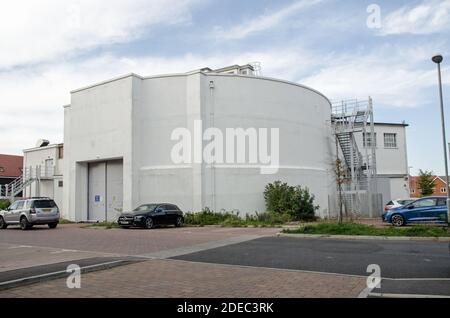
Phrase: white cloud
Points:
(393, 76)
(428, 17)
(264, 22)
(32, 97)
(36, 31)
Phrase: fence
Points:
(356, 204)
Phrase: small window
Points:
(2, 169)
(20, 205)
(367, 140)
(60, 152)
(443, 190)
(60, 183)
(442, 202)
(413, 191)
(390, 140)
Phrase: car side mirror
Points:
(411, 207)
(158, 210)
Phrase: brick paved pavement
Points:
(125, 242)
(170, 278)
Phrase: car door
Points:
(171, 213)
(17, 211)
(9, 212)
(439, 214)
(424, 209)
(159, 216)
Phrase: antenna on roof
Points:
(256, 68)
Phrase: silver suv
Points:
(29, 212)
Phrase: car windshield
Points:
(145, 207)
(39, 204)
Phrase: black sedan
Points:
(150, 215)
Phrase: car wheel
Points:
(179, 222)
(24, 225)
(52, 225)
(149, 223)
(3, 224)
(397, 220)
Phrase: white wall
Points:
(47, 187)
(133, 118)
(97, 127)
(392, 163)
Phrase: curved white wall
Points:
(132, 118)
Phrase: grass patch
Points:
(232, 219)
(65, 221)
(362, 229)
(102, 225)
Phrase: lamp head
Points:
(437, 59)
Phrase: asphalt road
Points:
(408, 267)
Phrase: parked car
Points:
(424, 210)
(29, 212)
(397, 203)
(150, 215)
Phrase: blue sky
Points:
(50, 47)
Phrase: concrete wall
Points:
(133, 118)
(97, 127)
(48, 187)
(392, 163)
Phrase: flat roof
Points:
(391, 124)
(45, 147)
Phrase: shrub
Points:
(208, 217)
(297, 202)
(4, 204)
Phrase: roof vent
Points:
(42, 143)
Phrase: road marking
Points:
(56, 273)
(164, 254)
(63, 251)
(19, 246)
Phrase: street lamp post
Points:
(438, 60)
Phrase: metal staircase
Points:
(349, 118)
(30, 175)
(11, 190)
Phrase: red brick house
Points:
(10, 168)
(439, 186)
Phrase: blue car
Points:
(424, 210)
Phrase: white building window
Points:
(390, 140)
(443, 190)
(367, 140)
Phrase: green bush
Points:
(4, 204)
(208, 217)
(232, 219)
(297, 202)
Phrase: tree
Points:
(426, 183)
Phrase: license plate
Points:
(46, 210)
(124, 222)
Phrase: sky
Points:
(345, 49)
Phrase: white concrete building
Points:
(118, 145)
(43, 172)
(392, 159)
